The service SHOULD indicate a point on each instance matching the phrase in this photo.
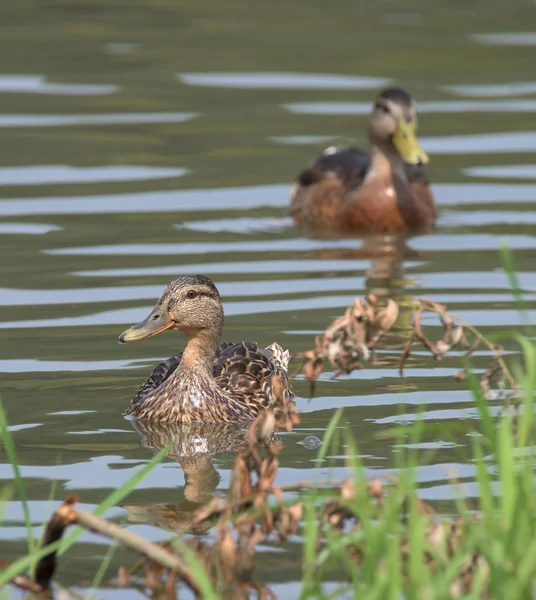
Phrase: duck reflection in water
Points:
(385, 276)
(193, 446)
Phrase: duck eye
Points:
(191, 294)
(381, 108)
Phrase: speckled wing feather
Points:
(245, 370)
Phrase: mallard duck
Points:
(352, 190)
(207, 382)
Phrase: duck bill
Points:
(407, 145)
(154, 324)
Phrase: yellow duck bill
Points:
(405, 141)
(154, 324)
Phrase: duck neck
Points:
(385, 161)
(200, 351)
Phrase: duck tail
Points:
(280, 356)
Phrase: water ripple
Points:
(445, 107)
(236, 198)
(257, 266)
(28, 228)
(238, 225)
(485, 280)
(503, 172)
(49, 174)
(37, 84)
(478, 318)
(475, 218)
(54, 366)
(524, 88)
(283, 81)
(269, 245)
(151, 202)
(97, 119)
(478, 143)
(506, 39)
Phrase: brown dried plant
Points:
(348, 342)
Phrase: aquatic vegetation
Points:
(348, 342)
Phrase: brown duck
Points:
(207, 382)
(384, 190)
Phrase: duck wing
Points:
(161, 372)
(245, 370)
(349, 165)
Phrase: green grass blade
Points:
(508, 265)
(64, 544)
(395, 568)
(310, 534)
(529, 385)
(526, 570)
(487, 500)
(6, 494)
(117, 495)
(9, 445)
(507, 470)
(199, 574)
(26, 562)
(418, 574)
(101, 571)
(328, 437)
(486, 418)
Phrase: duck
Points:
(379, 191)
(208, 382)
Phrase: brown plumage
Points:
(207, 382)
(380, 191)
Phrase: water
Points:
(142, 144)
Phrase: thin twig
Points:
(152, 551)
(69, 514)
(223, 505)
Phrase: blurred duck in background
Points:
(384, 190)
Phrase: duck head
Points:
(190, 304)
(393, 126)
